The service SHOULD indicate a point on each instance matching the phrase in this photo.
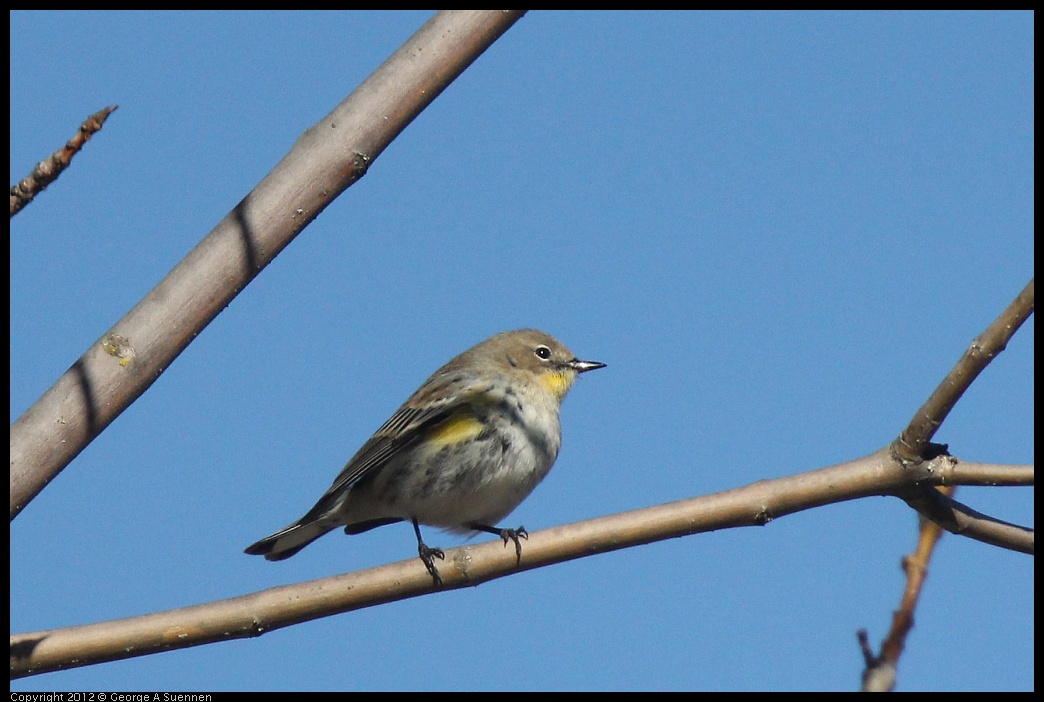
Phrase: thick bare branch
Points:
(328, 158)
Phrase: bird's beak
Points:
(584, 366)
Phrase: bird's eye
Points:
(542, 352)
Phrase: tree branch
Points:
(467, 566)
(326, 159)
(960, 519)
(48, 170)
(880, 671)
(954, 472)
(912, 444)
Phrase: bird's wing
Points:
(401, 430)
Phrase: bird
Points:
(460, 454)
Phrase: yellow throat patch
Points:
(557, 384)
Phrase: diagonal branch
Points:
(48, 170)
(913, 443)
(326, 160)
(958, 518)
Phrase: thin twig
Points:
(48, 170)
(880, 672)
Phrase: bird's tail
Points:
(289, 541)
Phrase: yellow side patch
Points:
(459, 427)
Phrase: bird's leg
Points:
(428, 556)
(505, 534)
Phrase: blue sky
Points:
(778, 230)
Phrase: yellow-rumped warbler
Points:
(460, 454)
